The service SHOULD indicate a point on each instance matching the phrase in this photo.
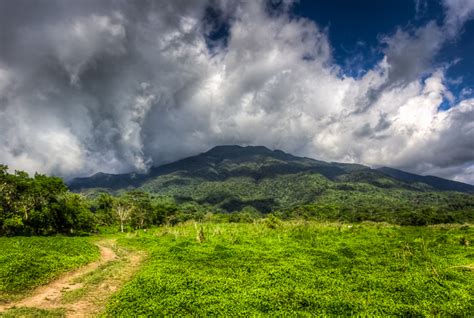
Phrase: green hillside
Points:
(260, 164)
(234, 178)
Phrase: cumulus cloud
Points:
(117, 86)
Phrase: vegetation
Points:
(299, 268)
(26, 262)
(33, 312)
(40, 205)
(321, 199)
(260, 234)
(240, 184)
(262, 164)
(268, 267)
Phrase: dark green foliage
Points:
(227, 179)
(75, 214)
(258, 163)
(103, 207)
(142, 214)
(435, 182)
(308, 195)
(247, 215)
(301, 269)
(40, 205)
(139, 210)
(164, 209)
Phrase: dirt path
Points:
(84, 292)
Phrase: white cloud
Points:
(458, 12)
(32, 146)
(142, 88)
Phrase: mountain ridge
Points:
(258, 162)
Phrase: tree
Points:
(40, 205)
(141, 214)
(103, 206)
(163, 209)
(73, 214)
(123, 210)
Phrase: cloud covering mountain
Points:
(114, 86)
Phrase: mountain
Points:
(231, 178)
(258, 162)
(434, 182)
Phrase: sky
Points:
(118, 86)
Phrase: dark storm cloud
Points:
(114, 86)
(88, 67)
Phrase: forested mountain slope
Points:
(234, 177)
(258, 163)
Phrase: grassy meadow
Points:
(26, 262)
(267, 268)
(300, 268)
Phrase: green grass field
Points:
(270, 268)
(26, 262)
(301, 268)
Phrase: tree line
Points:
(43, 205)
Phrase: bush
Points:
(273, 222)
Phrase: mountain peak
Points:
(259, 162)
(233, 150)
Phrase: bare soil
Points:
(92, 301)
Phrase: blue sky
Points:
(355, 27)
(119, 86)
